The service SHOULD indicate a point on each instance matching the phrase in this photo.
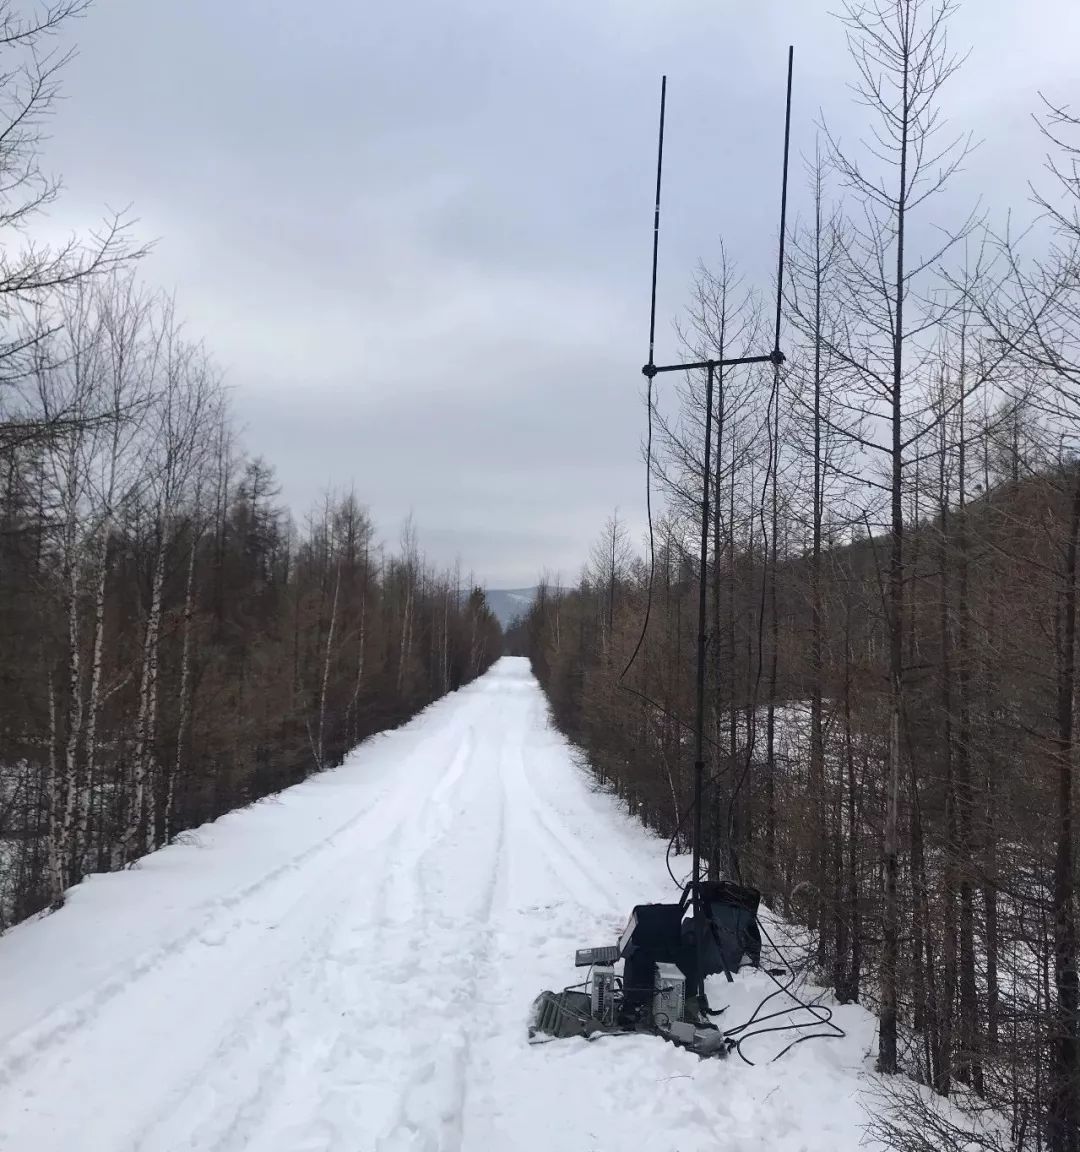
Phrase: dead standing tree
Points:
(903, 61)
(1035, 316)
(815, 391)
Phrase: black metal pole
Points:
(656, 226)
(778, 356)
(699, 724)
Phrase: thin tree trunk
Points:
(1064, 1126)
(717, 838)
(68, 847)
(93, 705)
(887, 1031)
(919, 965)
(990, 880)
(320, 749)
(405, 627)
(354, 705)
(142, 821)
(943, 1062)
(969, 1020)
(817, 747)
(54, 850)
(184, 718)
(444, 655)
(853, 978)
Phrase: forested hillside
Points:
(890, 631)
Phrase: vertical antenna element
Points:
(777, 355)
(699, 720)
(650, 367)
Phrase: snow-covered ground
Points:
(349, 966)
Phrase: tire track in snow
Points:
(235, 934)
(252, 1055)
(455, 932)
(563, 859)
(331, 1001)
(296, 1003)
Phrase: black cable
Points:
(821, 1013)
(624, 687)
(650, 373)
(686, 816)
(652, 538)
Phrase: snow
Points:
(350, 965)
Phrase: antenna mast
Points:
(651, 370)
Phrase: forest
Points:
(173, 644)
(890, 625)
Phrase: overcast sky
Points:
(416, 235)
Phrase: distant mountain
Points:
(509, 604)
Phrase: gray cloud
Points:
(416, 234)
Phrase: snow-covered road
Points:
(349, 966)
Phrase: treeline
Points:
(893, 541)
(172, 643)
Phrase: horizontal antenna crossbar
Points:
(776, 357)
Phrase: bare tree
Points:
(32, 273)
(903, 62)
(123, 319)
(185, 410)
(607, 566)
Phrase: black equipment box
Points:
(653, 935)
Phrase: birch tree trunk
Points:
(66, 847)
(142, 820)
(93, 703)
(184, 710)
